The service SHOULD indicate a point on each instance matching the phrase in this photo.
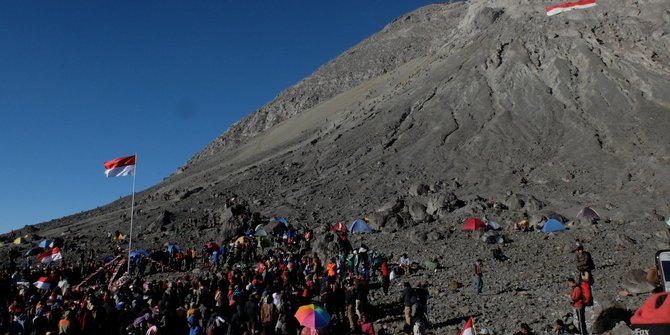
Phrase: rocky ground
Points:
(479, 108)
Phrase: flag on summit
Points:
(51, 255)
(124, 166)
(43, 283)
(469, 329)
(568, 6)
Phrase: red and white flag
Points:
(51, 255)
(568, 6)
(124, 166)
(42, 283)
(469, 329)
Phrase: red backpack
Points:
(587, 298)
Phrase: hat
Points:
(653, 316)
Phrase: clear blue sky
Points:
(82, 82)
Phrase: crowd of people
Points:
(247, 286)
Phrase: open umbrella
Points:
(45, 244)
(312, 316)
(34, 251)
(140, 252)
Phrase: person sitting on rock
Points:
(524, 329)
(405, 264)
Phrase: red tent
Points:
(474, 224)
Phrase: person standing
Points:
(584, 260)
(577, 297)
(409, 299)
(386, 276)
(477, 278)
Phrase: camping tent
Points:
(588, 214)
(474, 224)
(553, 225)
(359, 226)
(261, 233)
(276, 227)
(20, 240)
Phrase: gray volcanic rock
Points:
(483, 108)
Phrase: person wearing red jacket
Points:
(385, 276)
(577, 298)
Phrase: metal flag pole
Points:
(132, 214)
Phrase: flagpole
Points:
(132, 214)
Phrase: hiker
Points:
(577, 297)
(386, 275)
(194, 326)
(409, 299)
(350, 303)
(361, 294)
(477, 277)
(404, 264)
(420, 307)
(268, 316)
(583, 260)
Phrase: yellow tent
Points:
(118, 236)
(20, 240)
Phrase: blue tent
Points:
(45, 244)
(283, 220)
(552, 225)
(359, 226)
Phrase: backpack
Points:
(587, 298)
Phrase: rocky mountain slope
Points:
(484, 108)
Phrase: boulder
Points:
(635, 281)
(417, 237)
(533, 204)
(377, 220)
(394, 206)
(393, 223)
(418, 212)
(609, 318)
(419, 190)
(514, 202)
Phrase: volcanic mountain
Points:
(483, 107)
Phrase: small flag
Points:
(568, 6)
(124, 166)
(42, 283)
(51, 255)
(469, 329)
